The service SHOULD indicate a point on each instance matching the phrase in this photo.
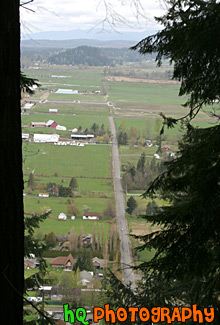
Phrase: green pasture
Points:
(151, 127)
(48, 159)
(157, 94)
(86, 185)
(132, 154)
(59, 204)
(80, 97)
(69, 122)
(69, 109)
(88, 79)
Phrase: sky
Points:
(64, 15)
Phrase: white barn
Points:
(52, 138)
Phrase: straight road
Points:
(126, 260)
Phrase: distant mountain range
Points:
(75, 38)
(97, 34)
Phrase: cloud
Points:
(58, 15)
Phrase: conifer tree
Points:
(185, 267)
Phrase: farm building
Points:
(62, 216)
(51, 124)
(91, 216)
(60, 128)
(38, 124)
(64, 262)
(28, 106)
(51, 138)
(67, 91)
(82, 136)
(53, 110)
(25, 136)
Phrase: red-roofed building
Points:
(91, 215)
(64, 262)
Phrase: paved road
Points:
(126, 260)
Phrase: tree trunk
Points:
(11, 179)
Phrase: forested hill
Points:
(94, 56)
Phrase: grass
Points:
(154, 94)
(69, 109)
(69, 122)
(76, 77)
(59, 204)
(87, 161)
(78, 226)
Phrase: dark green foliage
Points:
(64, 191)
(84, 261)
(122, 138)
(190, 40)
(185, 267)
(27, 83)
(81, 55)
(51, 239)
(59, 190)
(131, 205)
(73, 184)
(31, 181)
(141, 163)
(151, 208)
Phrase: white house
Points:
(62, 216)
(43, 194)
(91, 215)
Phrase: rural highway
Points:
(126, 260)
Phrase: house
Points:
(51, 124)
(43, 194)
(30, 263)
(62, 216)
(149, 143)
(91, 215)
(46, 138)
(64, 262)
(99, 263)
(87, 239)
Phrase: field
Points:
(136, 104)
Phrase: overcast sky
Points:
(60, 15)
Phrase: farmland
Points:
(136, 107)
